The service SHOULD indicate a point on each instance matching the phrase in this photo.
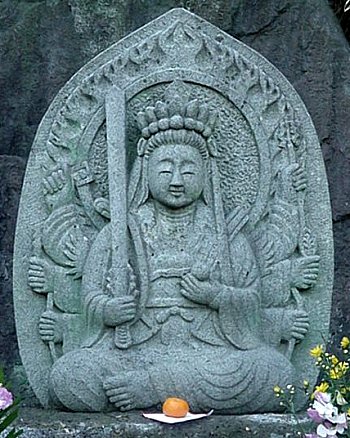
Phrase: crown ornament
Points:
(176, 113)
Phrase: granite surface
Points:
(175, 179)
(44, 42)
(37, 423)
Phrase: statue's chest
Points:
(174, 250)
(171, 246)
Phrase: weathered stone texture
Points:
(304, 41)
(51, 424)
(42, 43)
(197, 167)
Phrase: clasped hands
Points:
(200, 291)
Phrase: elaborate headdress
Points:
(176, 121)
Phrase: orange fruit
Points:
(175, 407)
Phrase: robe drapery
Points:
(236, 318)
(214, 356)
(212, 353)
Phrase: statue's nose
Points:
(176, 180)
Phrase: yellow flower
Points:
(306, 383)
(348, 411)
(345, 342)
(344, 366)
(335, 374)
(317, 351)
(276, 389)
(335, 360)
(322, 387)
(339, 370)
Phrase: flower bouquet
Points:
(330, 400)
(330, 408)
(8, 411)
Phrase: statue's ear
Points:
(206, 191)
(215, 273)
(206, 197)
(102, 207)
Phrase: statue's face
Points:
(176, 175)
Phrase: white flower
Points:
(332, 430)
(326, 410)
(333, 422)
(323, 432)
(340, 399)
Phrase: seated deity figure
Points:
(190, 323)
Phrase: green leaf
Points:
(10, 418)
(9, 408)
(2, 376)
(13, 433)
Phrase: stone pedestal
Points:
(37, 423)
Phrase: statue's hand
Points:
(202, 292)
(51, 327)
(102, 207)
(296, 325)
(291, 180)
(304, 271)
(57, 188)
(119, 310)
(40, 276)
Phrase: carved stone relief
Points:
(174, 235)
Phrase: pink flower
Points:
(324, 408)
(314, 415)
(331, 430)
(6, 398)
(338, 424)
(322, 397)
(323, 412)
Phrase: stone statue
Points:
(178, 249)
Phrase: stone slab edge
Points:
(39, 423)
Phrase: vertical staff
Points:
(37, 252)
(116, 151)
(289, 144)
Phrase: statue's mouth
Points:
(177, 192)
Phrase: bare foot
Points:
(131, 390)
